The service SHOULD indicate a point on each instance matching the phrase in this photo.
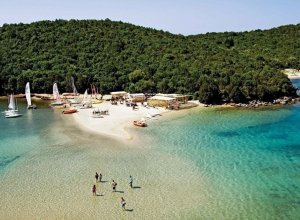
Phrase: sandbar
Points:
(118, 119)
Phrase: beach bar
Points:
(182, 99)
(119, 95)
(138, 97)
(160, 101)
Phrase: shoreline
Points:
(114, 125)
(293, 75)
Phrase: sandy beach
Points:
(118, 119)
(292, 73)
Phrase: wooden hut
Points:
(118, 95)
(138, 97)
(182, 99)
(160, 101)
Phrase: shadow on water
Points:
(128, 210)
(136, 187)
(289, 150)
(5, 161)
(278, 136)
(119, 191)
(227, 133)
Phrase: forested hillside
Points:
(114, 56)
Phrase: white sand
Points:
(292, 73)
(120, 116)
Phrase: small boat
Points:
(57, 101)
(97, 116)
(28, 97)
(152, 115)
(12, 111)
(140, 123)
(12, 114)
(69, 111)
(75, 95)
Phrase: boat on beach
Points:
(28, 97)
(97, 115)
(140, 123)
(86, 103)
(75, 95)
(70, 111)
(57, 100)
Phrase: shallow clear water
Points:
(207, 164)
(251, 159)
(20, 135)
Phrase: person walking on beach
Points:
(114, 185)
(123, 203)
(96, 176)
(100, 177)
(94, 190)
(130, 181)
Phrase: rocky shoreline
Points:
(257, 103)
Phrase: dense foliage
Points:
(114, 56)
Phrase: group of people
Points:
(114, 184)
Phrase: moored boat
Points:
(12, 111)
(28, 97)
(140, 123)
(12, 114)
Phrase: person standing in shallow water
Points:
(100, 177)
(96, 176)
(94, 190)
(114, 186)
(130, 181)
(123, 203)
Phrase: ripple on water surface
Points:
(210, 164)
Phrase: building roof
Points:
(137, 94)
(171, 95)
(163, 98)
(118, 93)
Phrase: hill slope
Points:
(117, 56)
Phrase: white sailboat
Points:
(85, 96)
(86, 103)
(74, 87)
(75, 94)
(56, 97)
(12, 111)
(28, 97)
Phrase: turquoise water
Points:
(20, 135)
(249, 160)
